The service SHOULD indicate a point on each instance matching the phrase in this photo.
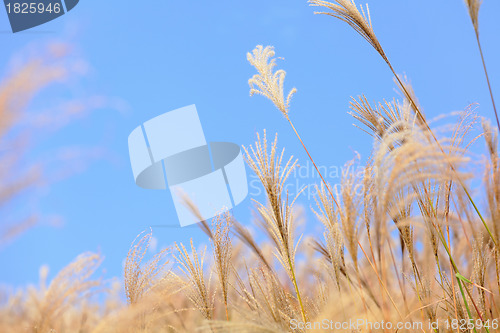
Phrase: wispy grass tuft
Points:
(139, 278)
(399, 238)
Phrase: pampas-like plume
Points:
(268, 83)
(334, 248)
(385, 119)
(71, 283)
(473, 6)
(16, 92)
(268, 167)
(492, 175)
(222, 248)
(192, 267)
(406, 195)
(277, 215)
(347, 11)
(139, 279)
(360, 21)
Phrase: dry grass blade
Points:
(246, 237)
(203, 224)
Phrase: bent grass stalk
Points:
(410, 181)
(315, 166)
(347, 11)
(272, 87)
(473, 8)
(488, 81)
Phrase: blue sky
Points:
(157, 56)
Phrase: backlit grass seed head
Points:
(199, 288)
(273, 175)
(349, 211)
(492, 175)
(268, 167)
(358, 19)
(473, 6)
(267, 82)
(269, 302)
(72, 283)
(386, 118)
(222, 249)
(141, 278)
(412, 194)
(480, 258)
(277, 215)
(491, 139)
(334, 241)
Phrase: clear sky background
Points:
(150, 57)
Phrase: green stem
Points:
(478, 213)
(460, 277)
(294, 281)
(465, 301)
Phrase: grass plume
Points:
(401, 241)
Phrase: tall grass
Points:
(403, 241)
(16, 91)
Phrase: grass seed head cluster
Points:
(413, 246)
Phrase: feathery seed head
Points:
(222, 248)
(192, 267)
(139, 279)
(473, 6)
(358, 19)
(268, 83)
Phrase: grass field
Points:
(406, 246)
